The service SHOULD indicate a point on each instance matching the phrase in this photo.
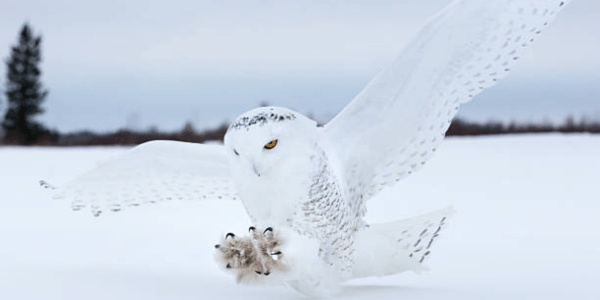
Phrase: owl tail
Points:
(398, 246)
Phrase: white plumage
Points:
(306, 186)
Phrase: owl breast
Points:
(275, 197)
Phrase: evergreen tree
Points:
(24, 91)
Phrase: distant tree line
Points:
(461, 127)
(129, 137)
(25, 95)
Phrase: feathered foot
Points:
(251, 257)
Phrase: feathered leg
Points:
(278, 256)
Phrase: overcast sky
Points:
(112, 64)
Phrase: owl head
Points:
(265, 139)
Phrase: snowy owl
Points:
(305, 186)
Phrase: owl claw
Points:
(251, 256)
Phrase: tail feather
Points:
(398, 246)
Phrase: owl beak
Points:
(255, 168)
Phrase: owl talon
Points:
(257, 254)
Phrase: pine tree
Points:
(24, 91)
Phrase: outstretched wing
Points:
(394, 125)
(152, 172)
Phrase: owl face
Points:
(268, 139)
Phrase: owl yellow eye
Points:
(270, 145)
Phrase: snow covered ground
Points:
(527, 227)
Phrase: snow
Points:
(526, 226)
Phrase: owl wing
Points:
(152, 172)
(393, 126)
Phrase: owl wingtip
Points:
(46, 185)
